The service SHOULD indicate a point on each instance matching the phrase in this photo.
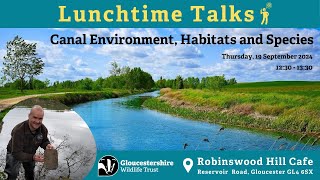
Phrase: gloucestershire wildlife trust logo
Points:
(108, 166)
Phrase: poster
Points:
(158, 89)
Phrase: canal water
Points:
(118, 127)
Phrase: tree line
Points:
(125, 78)
(211, 82)
(130, 79)
(120, 78)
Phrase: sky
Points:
(73, 62)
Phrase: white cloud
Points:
(178, 52)
(149, 57)
(137, 32)
(231, 51)
(3, 52)
(183, 63)
(62, 66)
(124, 51)
(50, 54)
(79, 62)
(158, 60)
(60, 29)
(88, 31)
(87, 47)
(68, 72)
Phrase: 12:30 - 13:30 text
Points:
(289, 67)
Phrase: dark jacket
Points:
(24, 144)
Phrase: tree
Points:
(191, 82)
(2, 81)
(169, 83)
(86, 84)
(138, 79)
(97, 84)
(124, 70)
(179, 82)
(36, 68)
(232, 81)
(161, 83)
(21, 61)
(37, 84)
(46, 83)
(215, 82)
(115, 69)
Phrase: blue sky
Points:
(73, 62)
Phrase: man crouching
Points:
(26, 137)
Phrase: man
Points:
(26, 137)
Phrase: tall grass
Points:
(282, 106)
(213, 117)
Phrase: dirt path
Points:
(6, 103)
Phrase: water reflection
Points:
(67, 132)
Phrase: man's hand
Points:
(38, 158)
(49, 146)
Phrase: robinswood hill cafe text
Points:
(268, 161)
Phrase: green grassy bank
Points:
(72, 98)
(81, 97)
(279, 106)
(11, 93)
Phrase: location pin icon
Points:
(187, 163)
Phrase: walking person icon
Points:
(265, 16)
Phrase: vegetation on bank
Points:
(136, 102)
(3, 113)
(82, 97)
(72, 98)
(280, 106)
(6, 93)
